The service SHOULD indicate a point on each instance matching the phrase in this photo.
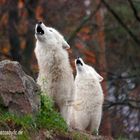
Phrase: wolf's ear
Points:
(100, 78)
(65, 45)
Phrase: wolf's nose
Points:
(78, 62)
(78, 57)
(40, 22)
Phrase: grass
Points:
(47, 118)
(11, 122)
(78, 136)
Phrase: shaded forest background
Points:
(105, 33)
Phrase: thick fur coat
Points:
(55, 73)
(87, 105)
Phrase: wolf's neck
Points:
(52, 60)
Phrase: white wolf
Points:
(87, 105)
(55, 73)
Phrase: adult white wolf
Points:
(55, 73)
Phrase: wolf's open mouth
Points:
(78, 62)
(39, 30)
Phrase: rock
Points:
(18, 91)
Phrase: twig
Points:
(137, 41)
(134, 10)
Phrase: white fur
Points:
(87, 105)
(55, 73)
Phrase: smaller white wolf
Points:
(88, 101)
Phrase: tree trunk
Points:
(12, 31)
(106, 127)
(28, 51)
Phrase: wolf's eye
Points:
(50, 30)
